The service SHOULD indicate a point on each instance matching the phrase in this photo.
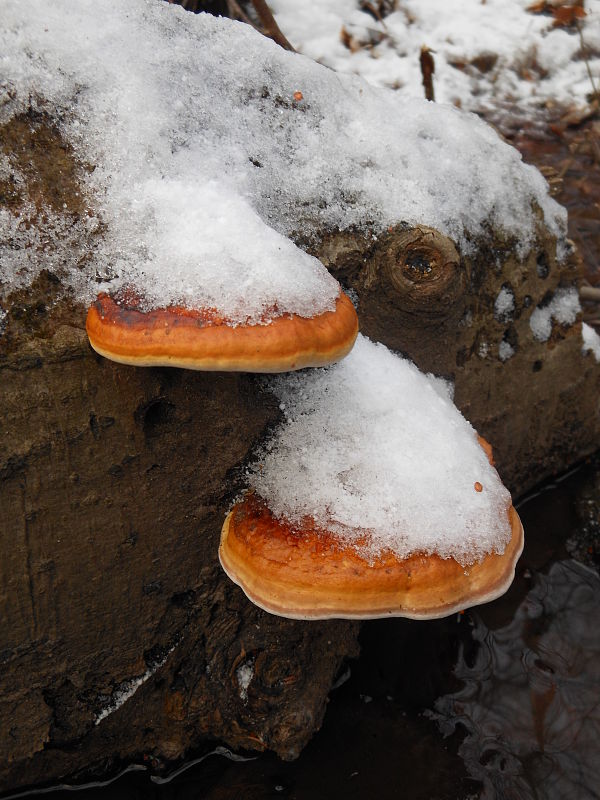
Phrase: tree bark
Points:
(121, 636)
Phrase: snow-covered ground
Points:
(489, 55)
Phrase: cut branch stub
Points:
(422, 265)
(412, 289)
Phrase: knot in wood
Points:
(423, 263)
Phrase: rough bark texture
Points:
(114, 482)
(114, 486)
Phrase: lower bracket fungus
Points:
(307, 573)
(375, 498)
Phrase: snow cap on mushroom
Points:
(239, 297)
(374, 498)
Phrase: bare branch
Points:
(427, 70)
(271, 28)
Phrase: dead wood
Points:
(114, 482)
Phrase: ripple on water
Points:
(530, 704)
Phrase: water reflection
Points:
(530, 704)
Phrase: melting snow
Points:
(204, 160)
(487, 54)
(591, 340)
(505, 350)
(127, 689)
(504, 305)
(244, 675)
(529, 699)
(563, 309)
(371, 444)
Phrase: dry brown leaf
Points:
(565, 14)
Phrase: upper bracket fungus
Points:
(397, 510)
(201, 340)
(242, 297)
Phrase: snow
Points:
(244, 675)
(562, 308)
(203, 160)
(504, 305)
(248, 269)
(591, 340)
(125, 690)
(372, 446)
(505, 350)
(121, 695)
(488, 55)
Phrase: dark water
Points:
(501, 702)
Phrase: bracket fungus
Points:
(397, 511)
(200, 339)
(226, 292)
(308, 573)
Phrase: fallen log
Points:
(122, 637)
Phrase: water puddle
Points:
(530, 700)
(499, 703)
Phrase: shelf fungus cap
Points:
(120, 329)
(302, 572)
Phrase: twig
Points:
(589, 293)
(374, 11)
(591, 137)
(427, 70)
(567, 163)
(585, 58)
(272, 29)
(235, 11)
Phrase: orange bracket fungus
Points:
(375, 498)
(220, 289)
(200, 339)
(303, 572)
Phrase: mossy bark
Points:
(114, 482)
